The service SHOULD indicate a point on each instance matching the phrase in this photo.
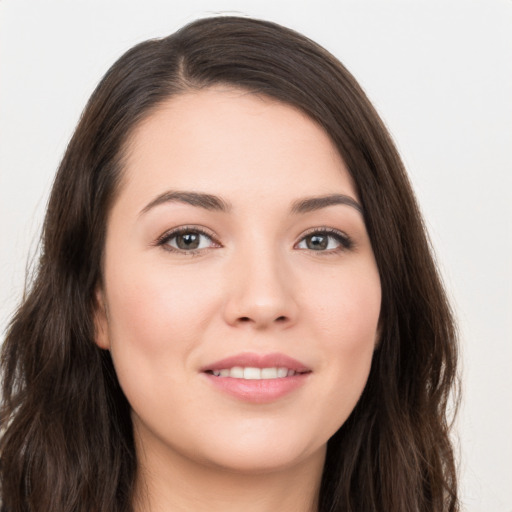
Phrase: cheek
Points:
(346, 318)
(156, 321)
(157, 303)
(346, 307)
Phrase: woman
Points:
(236, 306)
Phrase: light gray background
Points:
(440, 74)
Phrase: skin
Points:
(255, 285)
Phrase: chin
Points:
(256, 456)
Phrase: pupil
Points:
(317, 242)
(188, 241)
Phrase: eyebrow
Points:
(310, 204)
(216, 203)
(206, 201)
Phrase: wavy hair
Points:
(67, 441)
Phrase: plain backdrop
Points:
(439, 73)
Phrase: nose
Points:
(260, 292)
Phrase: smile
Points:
(257, 378)
(251, 373)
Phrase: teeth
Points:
(282, 372)
(269, 373)
(237, 372)
(249, 373)
(252, 373)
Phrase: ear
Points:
(101, 337)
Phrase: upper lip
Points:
(253, 360)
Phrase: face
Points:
(241, 298)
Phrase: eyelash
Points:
(345, 242)
(164, 240)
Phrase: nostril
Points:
(246, 319)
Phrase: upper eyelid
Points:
(325, 230)
(167, 235)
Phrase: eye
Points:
(187, 240)
(325, 240)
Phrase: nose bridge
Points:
(260, 291)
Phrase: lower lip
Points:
(258, 391)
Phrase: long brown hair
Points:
(67, 441)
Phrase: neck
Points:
(172, 482)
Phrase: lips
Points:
(257, 378)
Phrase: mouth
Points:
(257, 378)
(252, 373)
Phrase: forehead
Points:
(226, 141)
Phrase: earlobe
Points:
(101, 337)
